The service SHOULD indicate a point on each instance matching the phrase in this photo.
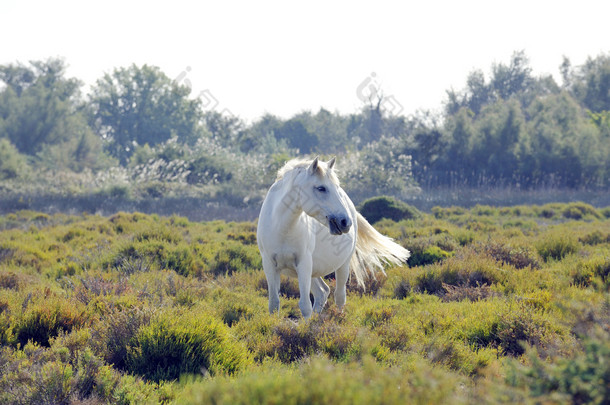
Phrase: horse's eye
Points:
(321, 189)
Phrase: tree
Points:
(513, 78)
(500, 129)
(37, 105)
(591, 83)
(563, 144)
(141, 105)
(297, 136)
(42, 115)
(456, 163)
(227, 130)
(474, 97)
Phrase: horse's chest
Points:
(285, 261)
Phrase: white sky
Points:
(284, 57)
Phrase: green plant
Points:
(46, 318)
(428, 255)
(579, 210)
(235, 257)
(195, 344)
(376, 208)
(556, 246)
(584, 378)
(520, 258)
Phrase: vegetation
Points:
(498, 304)
(377, 208)
(139, 135)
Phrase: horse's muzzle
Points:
(339, 224)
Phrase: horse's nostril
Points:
(344, 222)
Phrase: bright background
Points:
(284, 57)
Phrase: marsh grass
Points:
(497, 304)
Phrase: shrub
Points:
(376, 208)
(60, 375)
(44, 320)
(466, 269)
(323, 382)
(582, 379)
(428, 255)
(556, 246)
(295, 341)
(402, 290)
(471, 293)
(12, 163)
(9, 280)
(518, 327)
(595, 238)
(112, 335)
(446, 212)
(233, 312)
(172, 345)
(579, 210)
(517, 257)
(585, 272)
(182, 261)
(547, 212)
(235, 257)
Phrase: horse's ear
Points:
(313, 167)
(331, 162)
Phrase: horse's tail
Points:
(373, 250)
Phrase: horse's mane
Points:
(295, 164)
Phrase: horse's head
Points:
(322, 197)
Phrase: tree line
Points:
(505, 128)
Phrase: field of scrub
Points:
(496, 305)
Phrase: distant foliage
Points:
(140, 135)
(12, 163)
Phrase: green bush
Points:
(376, 208)
(465, 269)
(12, 163)
(46, 318)
(579, 210)
(112, 336)
(191, 343)
(233, 258)
(582, 379)
(556, 246)
(429, 255)
(595, 238)
(322, 382)
(295, 341)
(584, 273)
(520, 258)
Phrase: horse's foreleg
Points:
(341, 276)
(273, 284)
(320, 294)
(304, 271)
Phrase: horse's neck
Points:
(287, 210)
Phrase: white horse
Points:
(308, 228)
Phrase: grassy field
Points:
(497, 305)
